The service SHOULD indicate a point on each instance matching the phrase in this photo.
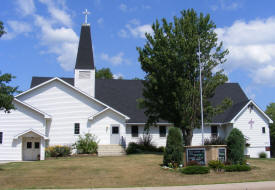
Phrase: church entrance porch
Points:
(31, 148)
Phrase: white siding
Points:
(101, 126)
(196, 140)
(14, 123)
(154, 131)
(66, 106)
(257, 140)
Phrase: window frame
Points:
(35, 143)
(1, 137)
(133, 134)
(162, 134)
(77, 125)
(214, 135)
(29, 143)
(263, 130)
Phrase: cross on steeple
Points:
(86, 13)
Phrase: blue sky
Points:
(42, 37)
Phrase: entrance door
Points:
(31, 148)
(115, 137)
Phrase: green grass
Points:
(125, 171)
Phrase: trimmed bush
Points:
(86, 144)
(216, 165)
(237, 168)
(58, 151)
(135, 148)
(235, 146)
(262, 155)
(195, 170)
(174, 147)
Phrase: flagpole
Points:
(202, 124)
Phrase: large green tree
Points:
(270, 111)
(104, 73)
(6, 91)
(169, 59)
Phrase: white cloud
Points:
(136, 30)
(100, 21)
(123, 7)
(25, 7)
(15, 28)
(226, 5)
(118, 76)
(116, 59)
(58, 14)
(251, 47)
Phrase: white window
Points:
(84, 74)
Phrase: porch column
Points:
(42, 148)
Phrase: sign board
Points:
(222, 154)
(196, 154)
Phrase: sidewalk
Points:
(268, 185)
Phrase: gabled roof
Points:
(30, 130)
(46, 116)
(72, 87)
(104, 110)
(122, 95)
(256, 106)
(85, 57)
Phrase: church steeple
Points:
(85, 58)
(84, 72)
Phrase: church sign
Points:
(196, 154)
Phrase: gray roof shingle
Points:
(122, 95)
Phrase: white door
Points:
(115, 137)
(31, 148)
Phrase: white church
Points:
(55, 111)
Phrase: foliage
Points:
(104, 73)
(145, 140)
(262, 155)
(170, 62)
(193, 163)
(142, 147)
(2, 31)
(174, 147)
(86, 144)
(214, 141)
(6, 92)
(195, 170)
(58, 151)
(270, 111)
(237, 168)
(235, 146)
(216, 165)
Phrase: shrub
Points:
(145, 140)
(58, 151)
(214, 141)
(174, 147)
(133, 148)
(193, 163)
(237, 168)
(235, 146)
(216, 165)
(195, 170)
(262, 155)
(161, 149)
(86, 144)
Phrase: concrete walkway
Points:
(268, 185)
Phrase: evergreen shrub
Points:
(235, 147)
(237, 168)
(174, 147)
(195, 170)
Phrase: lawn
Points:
(125, 171)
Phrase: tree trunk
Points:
(187, 136)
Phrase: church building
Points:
(56, 110)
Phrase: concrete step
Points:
(110, 150)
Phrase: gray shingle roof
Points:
(122, 95)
